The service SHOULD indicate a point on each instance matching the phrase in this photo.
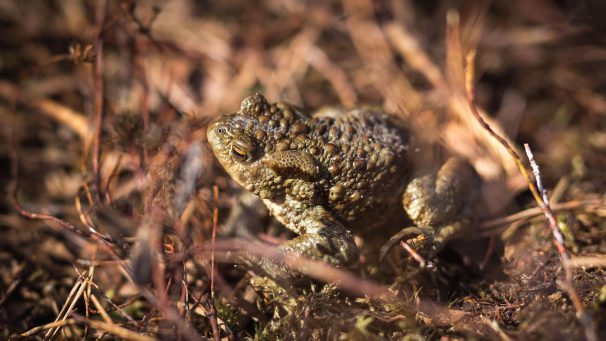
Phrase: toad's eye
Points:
(221, 130)
(243, 147)
(238, 153)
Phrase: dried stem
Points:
(14, 190)
(212, 315)
(311, 268)
(113, 329)
(568, 285)
(587, 205)
(417, 257)
(98, 103)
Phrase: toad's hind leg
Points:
(441, 204)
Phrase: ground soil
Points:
(111, 197)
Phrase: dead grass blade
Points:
(595, 261)
(68, 306)
(99, 325)
(72, 119)
(370, 43)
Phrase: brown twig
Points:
(567, 285)
(589, 204)
(98, 101)
(110, 177)
(42, 216)
(101, 310)
(89, 286)
(91, 233)
(116, 307)
(311, 268)
(417, 257)
(212, 314)
(87, 234)
(121, 332)
(149, 239)
(558, 238)
(143, 28)
(159, 296)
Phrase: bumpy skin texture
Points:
(336, 171)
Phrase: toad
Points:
(336, 172)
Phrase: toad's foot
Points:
(431, 241)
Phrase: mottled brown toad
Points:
(336, 171)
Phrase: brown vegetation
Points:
(117, 221)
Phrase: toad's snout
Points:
(218, 135)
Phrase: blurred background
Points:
(108, 185)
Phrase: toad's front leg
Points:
(321, 238)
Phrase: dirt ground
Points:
(116, 221)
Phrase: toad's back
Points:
(365, 162)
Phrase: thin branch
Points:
(212, 314)
(590, 204)
(542, 201)
(98, 101)
(315, 269)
